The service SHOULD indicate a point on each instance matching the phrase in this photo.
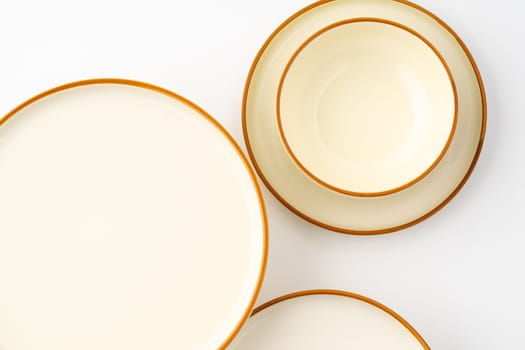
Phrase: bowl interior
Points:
(366, 107)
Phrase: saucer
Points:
(327, 319)
(331, 209)
(129, 220)
(366, 107)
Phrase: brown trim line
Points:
(219, 127)
(339, 229)
(348, 295)
(342, 190)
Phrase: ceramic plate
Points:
(327, 319)
(329, 208)
(366, 107)
(129, 219)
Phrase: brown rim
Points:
(283, 134)
(219, 127)
(361, 232)
(348, 295)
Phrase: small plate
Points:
(327, 319)
(366, 107)
(331, 209)
(129, 219)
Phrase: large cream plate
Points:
(327, 319)
(331, 209)
(129, 219)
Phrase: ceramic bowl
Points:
(366, 106)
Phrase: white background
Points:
(457, 277)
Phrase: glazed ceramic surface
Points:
(319, 320)
(366, 106)
(129, 219)
(331, 209)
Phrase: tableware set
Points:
(356, 214)
(131, 219)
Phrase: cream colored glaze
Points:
(332, 209)
(319, 322)
(367, 107)
(127, 221)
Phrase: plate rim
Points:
(351, 295)
(215, 124)
(319, 33)
(376, 231)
